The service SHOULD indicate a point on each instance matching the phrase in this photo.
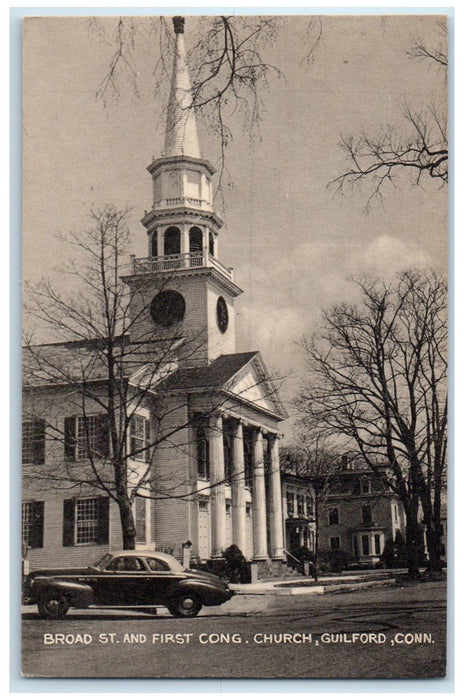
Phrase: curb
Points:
(310, 590)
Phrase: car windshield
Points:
(101, 563)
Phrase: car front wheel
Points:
(185, 605)
(53, 607)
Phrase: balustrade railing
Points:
(181, 261)
(181, 201)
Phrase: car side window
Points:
(157, 564)
(123, 564)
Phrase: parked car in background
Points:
(125, 579)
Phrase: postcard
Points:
(234, 429)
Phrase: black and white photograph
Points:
(235, 341)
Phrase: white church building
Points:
(216, 480)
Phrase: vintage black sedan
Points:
(126, 579)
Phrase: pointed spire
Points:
(181, 128)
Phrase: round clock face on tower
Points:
(222, 314)
(167, 308)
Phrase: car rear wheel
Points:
(53, 607)
(185, 605)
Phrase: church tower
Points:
(181, 290)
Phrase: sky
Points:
(292, 241)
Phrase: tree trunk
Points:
(127, 522)
(316, 539)
(434, 546)
(413, 544)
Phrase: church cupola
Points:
(183, 231)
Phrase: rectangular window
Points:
(32, 521)
(309, 506)
(248, 509)
(300, 504)
(33, 442)
(334, 543)
(202, 452)
(139, 439)
(290, 504)
(365, 486)
(228, 508)
(203, 505)
(377, 544)
(365, 544)
(333, 517)
(86, 520)
(355, 546)
(366, 513)
(86, 436)
(141, 519)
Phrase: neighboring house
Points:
(216, 481)
(298, 512)
(360, 513)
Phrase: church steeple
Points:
(181, 129)
(192, 293)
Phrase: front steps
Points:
(275, 570)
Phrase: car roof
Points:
(145, 553)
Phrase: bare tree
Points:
(377, 374)
(229, 65)
(418, 145)
(318, 465)
(106, 371)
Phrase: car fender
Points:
(207, 592)
(79, 595)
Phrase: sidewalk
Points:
(325, 584)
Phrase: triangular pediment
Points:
(253, 384)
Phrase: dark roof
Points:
(72, 361)
(216, 374)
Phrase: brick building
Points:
(213, 478)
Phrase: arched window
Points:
(211, 244)
(154, 244)
(195, 240)
(172, 241)
(202, 453)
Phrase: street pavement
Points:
(387, 632)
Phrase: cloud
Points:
(386, 255)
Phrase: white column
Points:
(161, 243)
(205, 246)
(184, 240)
(276, 520)
(217, 494)
(259, 499)
(238, 489)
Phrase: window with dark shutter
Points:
(333, 517)
(86, 435)
(70, 438)
(68, 522)
(85, 521)
(139, 439)
(33, 442)
(102, 437)
(33, 524)
(103, 526)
